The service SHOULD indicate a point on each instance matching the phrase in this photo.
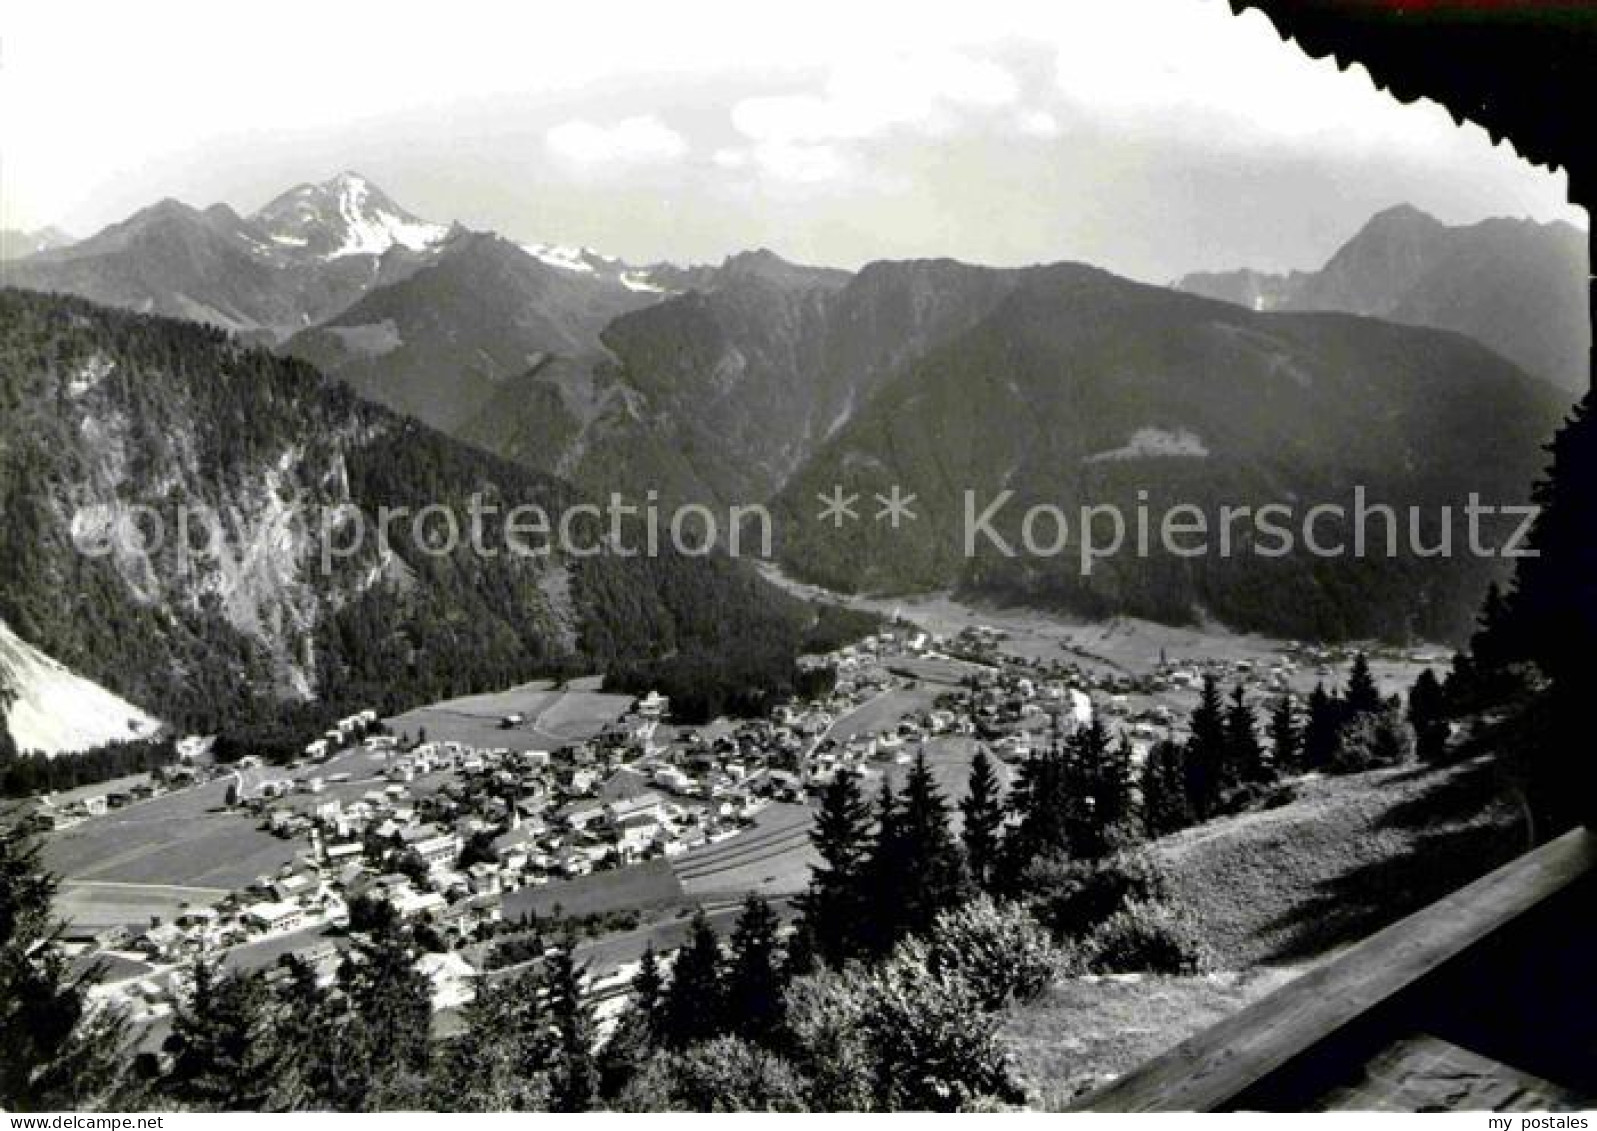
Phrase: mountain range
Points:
(113, 421)
(18, 244)
(1516, 286)
(761, 380)
(1079, 388)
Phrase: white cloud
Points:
(1230, 74)
(1037, 123)
(639, 140)
(801, 163)
(864, 97)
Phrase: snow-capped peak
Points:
(586, 261)
(346, 215)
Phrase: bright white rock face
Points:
(53, 710)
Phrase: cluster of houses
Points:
(441, 831)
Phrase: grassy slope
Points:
(1273, 892)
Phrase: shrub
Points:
(1257, 795)
(998, 948)
(1072, 899)
(1142, 937)
(934, 1045)
(1371, 740)
(726, 1074)
(825, 1014)
(910, 1033)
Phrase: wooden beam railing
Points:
(1206, 1071)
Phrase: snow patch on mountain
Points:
(578, 259)
(371, 229)
(1155, 443)
(51, 709)
(344, 216)
(638, 281)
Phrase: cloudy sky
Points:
(1152, 137)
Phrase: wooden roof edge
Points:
(1208, 1069)
(1303, 27)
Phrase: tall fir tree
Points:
(1286, 740)
(1363, 696)
(1165, 806)
(1039, 808)
(834, 905)
(388, 1031)
(1095, 791)
(882, 916)
(921, 870)
(1244, 753)
(1551, 620)
(59, 1053)
(695, 1001)
(1206, 760)
(302, 1017)
(982, 813)
(1322, 729)
(636, 1033)
(574, 1082)
(1427, 714)
(504, 1058)
(755, 975)
(222, 1044)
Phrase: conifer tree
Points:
(834, 906)
(922, 862)
(1206, 759)
(1552, 621)
(503, 1059)
(388, 1032)
(57, 1053)
(1039, 806)
(1492, 646)
(1427, 714)
(1244, 754)
(1285, 738)
(574, 1083)
(695, 1007)
(1322, 729)
(755, 981)
(982, 812)
(882, 914)
(1165, 807)
(635, 1035)
(1092, 791)
(301, 1017)
(1363, 696)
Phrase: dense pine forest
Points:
(106, 411)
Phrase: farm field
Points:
(184, 839)
(949, 760)
(1122, 645)
(91, 906)
(553, 717)
(771, 858)
(885, 711)
(637, 886)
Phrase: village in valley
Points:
(496, 824)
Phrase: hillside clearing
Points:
(1272, 893)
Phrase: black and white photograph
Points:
(855, 556)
